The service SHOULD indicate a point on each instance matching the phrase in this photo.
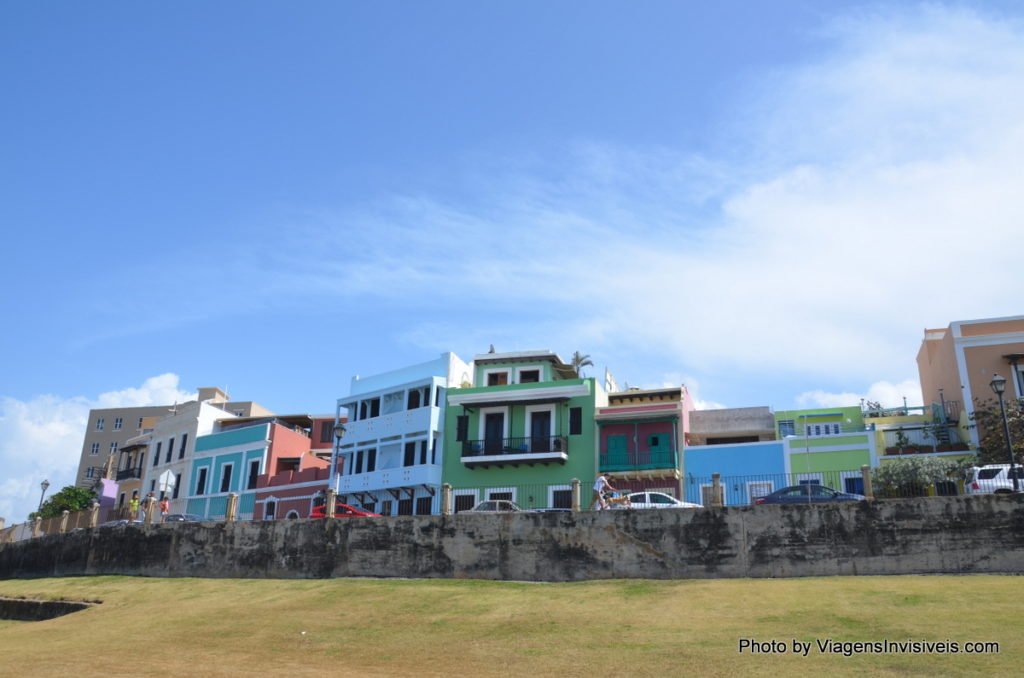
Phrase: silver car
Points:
(657, 500)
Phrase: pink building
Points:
(641, 437)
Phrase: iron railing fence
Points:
(528, 497)
(512, 446)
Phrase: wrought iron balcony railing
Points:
(638, 461)
(129, 473)
(511, 446)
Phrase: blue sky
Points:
(768, 202)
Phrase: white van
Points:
(993, 479)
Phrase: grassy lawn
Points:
(220, 627)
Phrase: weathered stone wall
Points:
(926, 535)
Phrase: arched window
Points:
(292, 515)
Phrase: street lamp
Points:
(339, 433)
(998, 385)
(44, 485)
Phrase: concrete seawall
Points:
(925, 535)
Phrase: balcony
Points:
(129, 473)
(396, 423)
(515, 451)
(647, 460)
(404, 476)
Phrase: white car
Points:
(657, 500)
(993, 479)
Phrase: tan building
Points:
(107, 432)
(729, 426)
(956, 365)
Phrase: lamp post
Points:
(339, 433)
(44, 485)
(998, 385)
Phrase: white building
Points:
(395, 437)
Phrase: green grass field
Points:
(357, 627)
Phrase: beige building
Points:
(110, 431)
(107, 432)
(956, 365)
(729, 426)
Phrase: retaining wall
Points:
(925, 535)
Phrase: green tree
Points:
(579, 361)
(992, 434)
(71, 498)
(912, 476)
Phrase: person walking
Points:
(165, 507)
(133, 506)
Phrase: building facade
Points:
(107, 431)
(523, 432)
(957, 363)
(640, 438)
(391, 453)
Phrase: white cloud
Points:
(888, 394)
(42, 438)
(880, 192)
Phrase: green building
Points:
(522, 431)
(827, 445)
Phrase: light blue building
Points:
(394, 437)
(225, 462)
(748, 470)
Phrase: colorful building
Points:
(523, 432)
(827, 445)
(244, 451)
(956, 365)
(640, 436)
(393, 443)
(747, 471)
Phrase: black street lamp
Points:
(998, 385)
(44, 485)
(339, 433)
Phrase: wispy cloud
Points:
(42, 438)
(906, 392)
(852, 201)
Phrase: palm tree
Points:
(579, 361)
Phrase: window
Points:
(464, 502)
(117, 424)
(269, 509)
(225, 477)
(437, 396)
(391, 402)
(156, 457)
(370, 506)
(410, 454)
(362, 410)
(359, 462)
(254, 473)
(414, 399)
(239, 413)
(371, 460)
(327, 432)
(95, 449)
(201, 482)
(759, 488)
(433, 451)
(385, 507)
(99, 424)
(423, 451)
(90, 471)
(787, 427)
(462, 428)
(424, 506)
(575, 421)
(170, 451)
(497, 378)
(184, 442)
(375, 407)
(139, 427)
(177, 485)
(113, 447)
(561, 499)
(529, 376)
(405, 507)
(152, 486)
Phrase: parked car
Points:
(496, 506)
(182, 518)
(342, 511)
(654, 500)
(805, 494)
(993, 479)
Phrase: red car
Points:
(342, 511)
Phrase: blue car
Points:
(806, 494)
